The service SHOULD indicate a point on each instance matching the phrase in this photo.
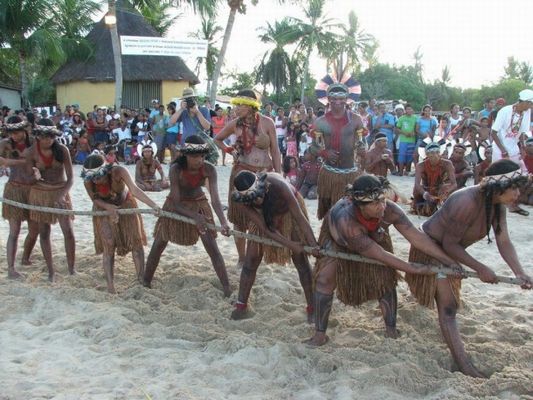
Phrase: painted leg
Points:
(11, 250)
(212, 249)
(240, 243)
(323, 299)
(447, 309)
(254, 255)
(70, 245)
(389, 306)
(153, 261)
(46, 247)
(301, 263)
(108, 261)
(138, 260)
(29, 242)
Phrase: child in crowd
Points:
(307, 182)
(292, 148)
(290, 169)
(83, 148)
(111, 154)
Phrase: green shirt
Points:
(407, 123)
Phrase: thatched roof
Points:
(101, 67)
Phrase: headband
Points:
(195, 148)
(368, 195)
(16, 127)
(245, 101)
(91, 173)
(45, 129)
(257, 189)
(502, 178)
(433, 147)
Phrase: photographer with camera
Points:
(195, 119)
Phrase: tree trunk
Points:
(222, 54)
(117, 57)
(23, 78)
(208, 89)
(304, 78)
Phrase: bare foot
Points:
(227, 291)
(238, 314)
(392, 332)
(470, 370)
(72, 271)
(111, 289)
(146, 284)
(319, 339)
(14, 274)
(26, 262)
(52, 277)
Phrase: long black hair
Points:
(56, 148)
(15, 119)
(498, 187)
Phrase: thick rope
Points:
(248, 236)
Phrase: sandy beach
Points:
(73, 340)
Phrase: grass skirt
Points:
(46, 197)
(128, 233)
(358, 282)
(289, 228)
(20, 193)
(331, 188)
(424, 287)
(179, 232)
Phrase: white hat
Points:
(525, 95)
(399, 107)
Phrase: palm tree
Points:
(353, 45)
(157, 15)
(234, 5)
(24, 28)
(209, 31)
(316, 32)
(276, 67)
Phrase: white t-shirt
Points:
(508, 132)
(122, 134)
(280, 132)
(142, 126)
(454, 122)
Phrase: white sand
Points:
(71, 340)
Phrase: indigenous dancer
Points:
(17, 188)
(276, 210)
(52, 168)
(378, 160)
(111, 188)
(434, 181)
(256, 149)
(146, 168)
(358, 223)
(339, 128)
(465, 218)
(188, 173)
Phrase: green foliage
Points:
(518, 70)
(41, 92)
(240, 80)
(158, 15)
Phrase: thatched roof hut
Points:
(144, 77)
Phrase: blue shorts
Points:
(171, 138)
(405, 154)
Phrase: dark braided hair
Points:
(490, 189)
